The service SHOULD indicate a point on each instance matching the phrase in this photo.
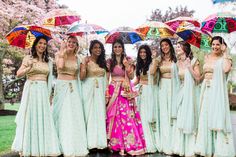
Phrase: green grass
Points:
(12, 107)
(7, 133)
(7, 130)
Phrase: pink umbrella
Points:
(175, 23)
(60, 17)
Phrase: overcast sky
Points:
(114, 13)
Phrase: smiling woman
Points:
(35, 131)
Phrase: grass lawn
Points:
(7, 130)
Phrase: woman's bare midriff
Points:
(66, 77)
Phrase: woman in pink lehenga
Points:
(124, 128)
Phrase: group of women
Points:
(95, 104)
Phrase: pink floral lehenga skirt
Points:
(124, 128)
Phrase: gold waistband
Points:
(37, 78)
(118, 79)
(66, 77)
(166, 75)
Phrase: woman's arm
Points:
(154, 65)
(60, 60)
(195, 71)
(136, 81)
(83, 68)
(25, 67)
(227, 63)
(61, 56)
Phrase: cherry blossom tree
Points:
(14, 13)
(158, 15)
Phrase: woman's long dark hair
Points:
(101, 60)
(172, 50)
(113, 62)
(34, 52)
(187, 49)
(142, 66)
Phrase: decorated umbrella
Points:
(78, 29)
(60, 17)
(223, 22)
(24, 36)
(85, 29)
(126, 34)
(175, 23)
(154, 29)
(194, 36)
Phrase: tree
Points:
(19, 12)
(170, 14)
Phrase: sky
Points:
(111, 14)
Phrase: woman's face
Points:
(143, 54)
(117, 49)
(96, 50)
(165, 47)
(216, 47)
(72, 44)
(41, 46)
(179, 50)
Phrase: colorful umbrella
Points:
(219, 23)
(60, 17)
(154, 29)
(222, 1)
(175, 23)
(194, 36)
(24, 36)
(126, 34)
(78, 29)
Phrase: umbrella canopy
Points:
(175, 23)
(78, 29)
(126, 34)
(60, 17)
(222, 1)
(223, 22)
(194, 36)
(24, 36)
(154, 29)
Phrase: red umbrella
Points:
(194, 36)
(60, 17)
(175, 23)
(24, 36)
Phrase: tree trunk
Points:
(2, 53)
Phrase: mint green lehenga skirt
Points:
(69, 118)
(35, 131)
(95, 111)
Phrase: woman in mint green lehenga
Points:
(186, 128)
(68, 111)
(168, 89)
(93, 73)
(215, 135)
(146, 78)
(35, 131)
